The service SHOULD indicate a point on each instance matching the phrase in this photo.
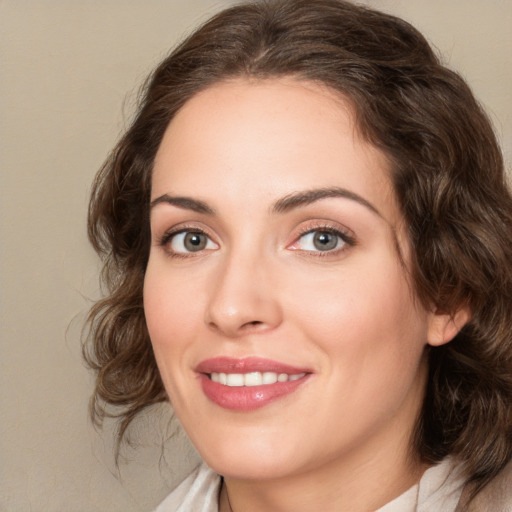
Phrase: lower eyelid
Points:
(346, 238)
(168, 238)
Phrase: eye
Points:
(189, 242)
(322, 240)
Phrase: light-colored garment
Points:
(199, 492)
(438, 490)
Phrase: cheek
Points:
(171, 309)
(366, 314)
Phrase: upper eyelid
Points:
(344, 237)
(180, 228)
(324, 225)
(334, 227)
(327, 228)
(303, 229)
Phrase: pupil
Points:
(195, 241)
(325, 241)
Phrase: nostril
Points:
(255, 324)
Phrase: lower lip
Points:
(247, 398)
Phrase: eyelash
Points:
(169, 235)
(347, 238)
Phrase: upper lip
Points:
(246, 365)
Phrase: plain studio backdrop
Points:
(69, 73)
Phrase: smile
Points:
(249, 383)
(253, 378)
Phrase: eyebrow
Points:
(186, 203)
(306, 197)
(283, 205)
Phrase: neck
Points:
(361, 488)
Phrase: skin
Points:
(259, 287)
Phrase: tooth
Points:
(269, 378)
(253, 379)
(235, 379)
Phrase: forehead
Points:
(264, 139)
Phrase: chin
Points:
(244, 468)
(249, 460)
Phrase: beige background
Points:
(69, 72)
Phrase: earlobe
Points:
(443, 327)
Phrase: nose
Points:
(243, 298)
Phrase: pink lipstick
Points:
(249, 383)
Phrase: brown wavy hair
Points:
(448, 175)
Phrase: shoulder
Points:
(198, 492)
(496, 496)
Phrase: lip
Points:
(246, 365)
(247, 398)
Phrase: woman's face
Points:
(277, 302)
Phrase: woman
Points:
(307, 243)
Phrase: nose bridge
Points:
(241, 297)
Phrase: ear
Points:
(443, 327)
